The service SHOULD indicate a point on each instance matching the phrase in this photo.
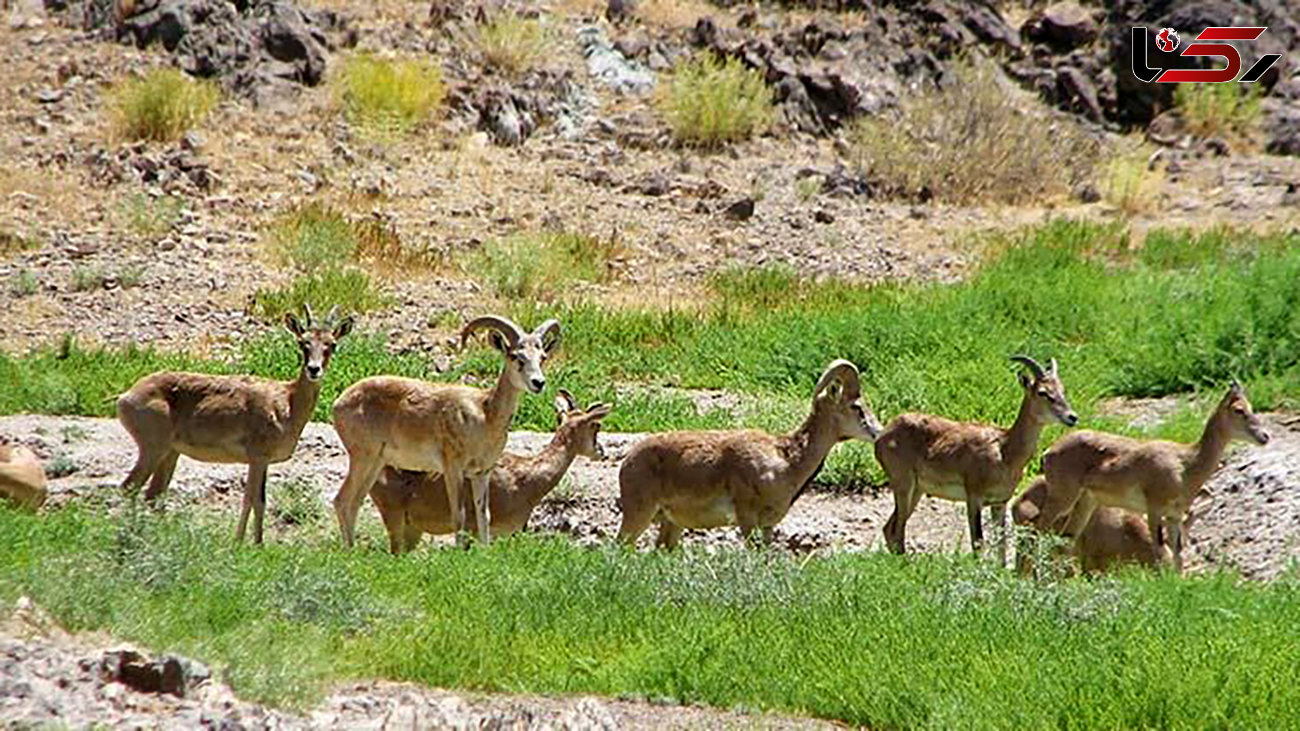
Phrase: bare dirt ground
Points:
(69, 188)
(1247, 520)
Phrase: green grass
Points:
(709, 102)
(389, 97)
(928, 642)
(974, 140)
(23, 284)
(1184, 314)
(350, 289)
(541, 265)
(151, 217)
(162, 105)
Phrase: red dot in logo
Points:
(1167, 40)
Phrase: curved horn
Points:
(502, 325)
(1031, 364)
(544, 330)
(841, 369)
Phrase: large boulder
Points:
(1063, 26)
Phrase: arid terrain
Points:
(164, 243)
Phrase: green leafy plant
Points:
(709, 102)
(162, 105)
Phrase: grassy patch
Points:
(12, 242)
(931, 642)
(162, 105)
(1229, 111)
(387, 97)
(93, 277)
(1185, 312)
(151, 217)
(541, 265)
(323, 246)
(23, 283)
(1127, 180)
(710, 102)
(513, 44)
(350, 289)
(973, 141)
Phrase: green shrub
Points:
(1127, 182)
(151, 217)
(513, 44)
(390, 97)
(541, 265)
(162, 105)
(312, 237)
(350, 289)
(1230, 111)
(709, 102)
(973, 141)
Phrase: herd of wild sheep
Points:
(413, 446)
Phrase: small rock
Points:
(823, 216)
(1292, 195)
(741, 210)
(1087, 193)
(49, 96)
(1063, 25)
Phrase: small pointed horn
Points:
(502, 325)
(306, 310)
(838, 369)
(544, 330)
(1031, 364)
(332, 316)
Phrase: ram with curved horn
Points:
(977, 464)
(231, 419)
(747, 478)
(456, 431)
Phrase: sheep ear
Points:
(599, 410)
(561, 406)
(1025, 381)
(344, 327)
(499, 341)
(835, 390)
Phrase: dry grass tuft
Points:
(512, 44)
(973, 141)
(1228, 111)
(710, 102)
(162, 105)
(385, 97)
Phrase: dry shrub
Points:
(513, 44)
(1229, 111)
(973, 141)
(710, 102)
(162, 105)
(390, 97)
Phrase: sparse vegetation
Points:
(11, 242)
(1128, 182)
(513, 44)
(24, 283)
(710, 102)
(387, 97)
(1228, 111)
(540, 265)
(931, 642)
(312, 237)
(151, 217)
(974, 140)
(350, 289)
(162, 105)
(92, 277)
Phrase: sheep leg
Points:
(975, 503)
(670, 535)
(451, 480)
(162, 476)
(479, 488)
(363, 470)
(1154, 525)
(998, 518)
(395, 526)
(904, 486)
(1176, 541)
(256, 477)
